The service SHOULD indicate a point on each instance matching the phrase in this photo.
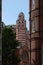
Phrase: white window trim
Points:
(33, 26)
(33, 4)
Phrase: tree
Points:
(9, 45)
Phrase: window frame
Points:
(33, 25)
(33, 4)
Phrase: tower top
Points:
(21, 16)
(21, 13)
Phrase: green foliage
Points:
(9, 45)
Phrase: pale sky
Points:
(11, 10)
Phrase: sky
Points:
(11, 10)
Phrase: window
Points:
(33, 4)
(42, 53)
(25, 55)
(19, 21)
(33, 26)
(22, 21)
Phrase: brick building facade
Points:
(36, 32)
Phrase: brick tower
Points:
(36, 32)
(21, 37)
(21, 29)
